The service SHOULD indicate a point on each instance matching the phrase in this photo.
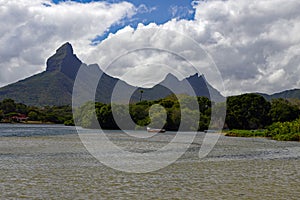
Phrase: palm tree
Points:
(141, 91)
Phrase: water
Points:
(26, 130)
(50, 162)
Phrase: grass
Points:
(264, 133)
(245, 133)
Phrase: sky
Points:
(255, 44)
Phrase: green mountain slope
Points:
(55, 85)
(47, 88)
(287, 94)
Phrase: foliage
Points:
(53, 114)
(33, 116)
(247, 111)
(8, 106)
(295, 102)
(69, 122)
(1, 115)
(282, 110)
(164, 113)
(284, 131)
(245, 133)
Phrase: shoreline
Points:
(260, 134)
(30, 122)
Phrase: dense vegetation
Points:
(165, 113)
(284, 131)
(252, 111)
(248, 115)
(12, 112)
(248, 111)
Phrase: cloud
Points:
(180, 12)
(145, 9)
(30, 31)
(253, 49)
(255, 44)
(149, 51)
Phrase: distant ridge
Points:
(54, 86)
(287, 94)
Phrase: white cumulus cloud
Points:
(30, 31)
(255, 43)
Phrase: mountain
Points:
(55, 85)
(51, 87)
(64, 61)
(194, 85)
(287, 94)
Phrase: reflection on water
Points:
(39, 161)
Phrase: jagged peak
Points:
(196, 75)
(66, 48)
(64, 61)
(171, 76)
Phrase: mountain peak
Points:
(65, 61)
(170, 76)
(194, 76)
(65, 49)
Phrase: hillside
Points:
(54, 86)
(287, 94)
(46, 88)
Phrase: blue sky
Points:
(162, 12)
(156, 11)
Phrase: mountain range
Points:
(287, 94)
(54, 86)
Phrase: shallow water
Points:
(50, 162)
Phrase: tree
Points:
(158, 116)
(21, 108)
(282, 111)
(105, 117)
(141, 92)
(8, 106)
(204, 104)
(1, 115)
(122, 117)
(139, 111)
(189, 120)
(247, 111)
(89, 119)
(189, 102)
(33, 116)
(205, 112)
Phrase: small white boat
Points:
(155, 130)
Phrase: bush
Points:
(285, 131)
(246, 133)
(69, 123)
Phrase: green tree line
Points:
(54, 114)
(164, 113)
(246, 112)
(252, 111)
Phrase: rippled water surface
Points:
(50, 162)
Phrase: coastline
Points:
(29, 122)
(262, 134)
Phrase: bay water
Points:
(50, 162)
